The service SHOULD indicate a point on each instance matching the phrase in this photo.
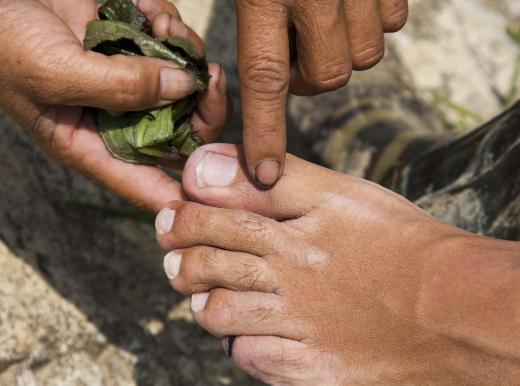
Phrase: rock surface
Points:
(83, 299)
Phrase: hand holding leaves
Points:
(47, 76)
(162, 133)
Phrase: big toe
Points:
(216, 175)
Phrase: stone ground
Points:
(83, 298)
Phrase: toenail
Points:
(172, 264)
(216, 170)
(267, 173)
(198, 301)
(164, 221)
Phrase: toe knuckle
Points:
(249, 277)
(210, 264)
(252, 224)
(267, 78)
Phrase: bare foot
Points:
(325, 280)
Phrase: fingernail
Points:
(216, 170)
(177, 83)
(198, 301)
(267, 173)
(172, 264)
(177, 27)
(148, 6)
(164, 221)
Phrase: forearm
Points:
(471, 295)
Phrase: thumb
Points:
(116, 82)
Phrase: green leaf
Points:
(147, 137)
(163, 133)
(101, 32)
(125, 11)
(514, 32)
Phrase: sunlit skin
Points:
(46, 75)
(328, 279)
(306, 47)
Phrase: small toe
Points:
(201, 269)
(277, 361)
(223, 313)
(184, 224)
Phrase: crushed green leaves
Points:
(162, 133)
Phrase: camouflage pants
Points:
(471, 181)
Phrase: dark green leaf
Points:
(158, 134)
(125, 11)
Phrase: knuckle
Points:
(251, 224)
(368, 55)
(210, 264)
(132, 94)
(329, 76)
(267, 78)
(48, 78)
(249, 277)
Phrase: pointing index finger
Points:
(263, 47)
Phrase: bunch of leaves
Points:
(161, 133)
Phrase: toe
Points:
(277, 361)
(216, 175)
(223, 312)
(201, 269)
(184, 224)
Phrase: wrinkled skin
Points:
(329, 279)
(307, 47)
(46, 77)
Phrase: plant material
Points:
(162, 133)
(514, 31)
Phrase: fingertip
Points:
(267, 173)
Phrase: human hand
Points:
(46, 77)
(330, 38)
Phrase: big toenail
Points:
(164, 221)
(267, 173)
(172, 264)
(216, 170)
(198, 301)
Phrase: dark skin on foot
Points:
(331, 280)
